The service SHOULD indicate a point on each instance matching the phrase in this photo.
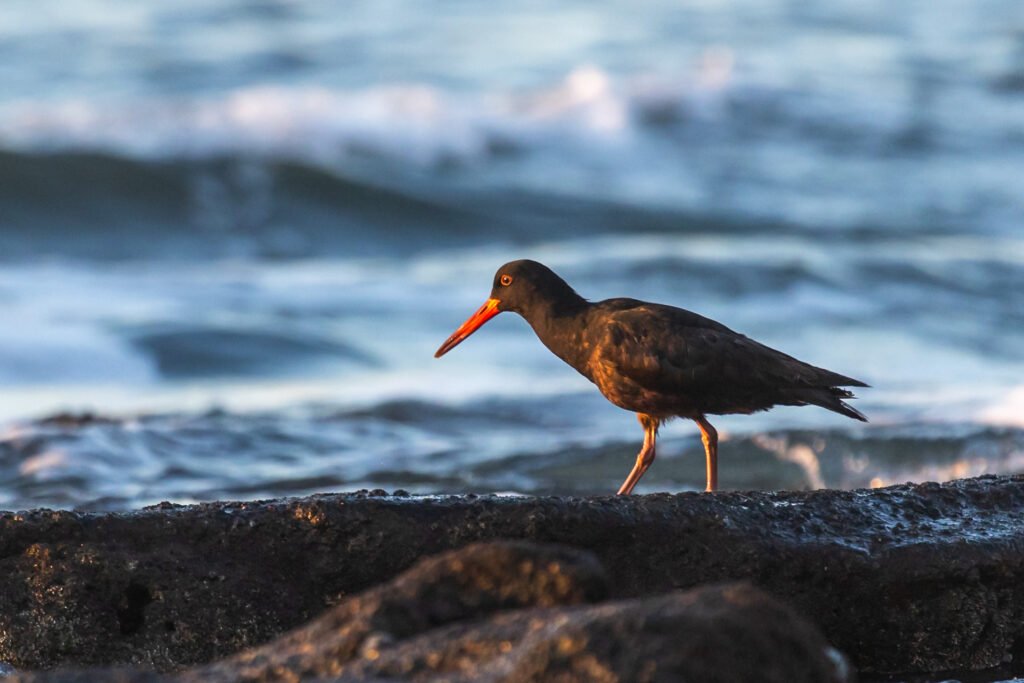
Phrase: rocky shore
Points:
(904, 579)
(516, 611)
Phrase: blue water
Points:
(233, 233)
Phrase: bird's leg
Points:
(709, 436)
(645, 457)
(643, 460)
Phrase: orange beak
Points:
(486, 312)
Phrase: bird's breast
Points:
(623, 391)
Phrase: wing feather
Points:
(699, 363)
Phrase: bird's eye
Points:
(505, 280)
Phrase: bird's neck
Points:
(560, 326)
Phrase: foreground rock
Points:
(512, 612)
(908, 578)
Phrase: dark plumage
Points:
(657, 361)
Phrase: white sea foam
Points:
(802, 455)
(414, 122)
(968, 466)
(1006, 410)
(43, 462)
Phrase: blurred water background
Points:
(233, 232)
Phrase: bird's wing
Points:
(668, 349)
(663, 354)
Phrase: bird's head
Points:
(519, 286)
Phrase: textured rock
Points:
(513, 612)
(719, 633)
(908, 578)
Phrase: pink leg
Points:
(709, 436)
(645, 457)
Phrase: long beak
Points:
(486, 312)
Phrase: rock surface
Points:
(513, 611)
(908, 578)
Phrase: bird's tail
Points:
(831, 398)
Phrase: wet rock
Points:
(516, 612)
(908, 578)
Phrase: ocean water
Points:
(233, 233)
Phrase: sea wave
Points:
(114, 207)
(296, 171)
(416, 123)
(590, 113)
(98, 462)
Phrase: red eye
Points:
(505, 280)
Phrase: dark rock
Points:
(462, 585)
(68, 420)
(513, 612)
(908, 578)
(719, 633)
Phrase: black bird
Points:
(657, 361)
